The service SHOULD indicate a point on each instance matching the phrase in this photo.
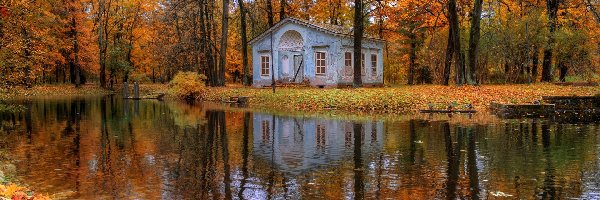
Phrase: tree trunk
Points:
(449, 53)
(101, 43)
(412, 57)
(474, 41)
(244, 42)
(552, 10)
(270, 12)
(455, 34)
(77, 70)
(282, 5)
(358, 32)
(563, 71)
(224, 28)
(26, 55)
(534, 65)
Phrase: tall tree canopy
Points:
(440, 41)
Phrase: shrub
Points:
(187, 85)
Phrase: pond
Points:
(110, 148)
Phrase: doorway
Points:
(298, 75)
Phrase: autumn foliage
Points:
(15, 192)
(110, 42)
(187, 86)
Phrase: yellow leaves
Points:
(187, 85)
(395, 99)
(16, 192)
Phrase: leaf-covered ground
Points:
(51, 91)
(394, 99)
(399, 99)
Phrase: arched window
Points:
(291, 41)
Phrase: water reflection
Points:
(113, 148)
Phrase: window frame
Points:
(373, 64)
(317, 66)
(351, 63)
(264, 69)
(363, 70)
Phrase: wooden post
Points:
(136, 90)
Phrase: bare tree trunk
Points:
(448, 60)
(563, 71)
(282, 5)
(224, 28)
(474, 41)
(101, 43)
(27, 55)
(358, 32)
(455, 34)
(130, 38)
(76, 53)
(244, 41)
(552, 10)
(534, 64)
(270, 12)
(412, 56)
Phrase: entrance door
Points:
(298, 74)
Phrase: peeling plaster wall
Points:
(314, 40)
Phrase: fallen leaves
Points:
(16, 192)
(395, 99)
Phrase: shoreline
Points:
(384, 100)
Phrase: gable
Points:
(324, 28)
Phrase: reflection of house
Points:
(301, 144)
(318, 53)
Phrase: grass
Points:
(399, 99)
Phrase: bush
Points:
(187, 85)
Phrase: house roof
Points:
(328, 28)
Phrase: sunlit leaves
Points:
(395, 99)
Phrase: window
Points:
(320, 136)
(348, 59)
(264, 65)
(266, 131)
(320, 63)
(362, 64)
(373, 64)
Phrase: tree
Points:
(244, 41)
(282, 5)
(474, 40)
(552, 11)
(270, 12)
(102, 41)
(224, 28)
(358, 34)
(453, 49)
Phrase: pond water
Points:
(109, 148)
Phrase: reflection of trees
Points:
(472, 164)
(200, 159)
(452, 156)
(245, 153)
(549, 188)
(358, 168)
(198, 166)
